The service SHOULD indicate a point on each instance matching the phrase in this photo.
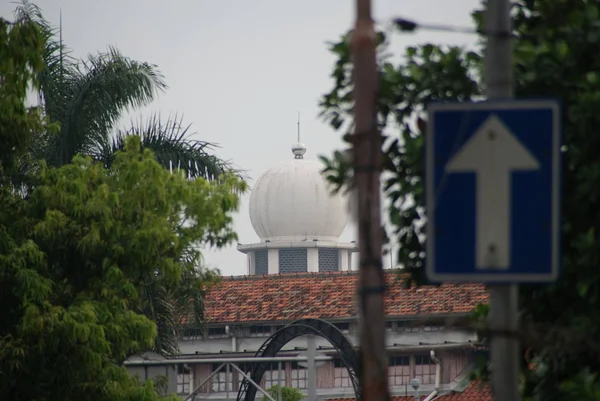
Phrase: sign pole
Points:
(311, 368)
(367, 162)
(503, 316)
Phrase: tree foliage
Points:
(88, 97)
(554, 57)
(81, 250)
(20, 61)
(85, 99)
(287, 393)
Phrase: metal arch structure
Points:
(318, 327)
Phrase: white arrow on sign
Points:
(492, 153)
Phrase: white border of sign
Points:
(516, 104)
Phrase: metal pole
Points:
(227, 372)
(279, 381)
(503, 318)
(312, 369)
(367, 144)
(180, 361)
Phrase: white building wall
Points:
(344, 263)
(251, 263)
(312, 255)
(273, 261)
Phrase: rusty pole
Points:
(367, 169)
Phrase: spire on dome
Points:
(299, 149)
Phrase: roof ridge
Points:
(304, 274)
(287, 275)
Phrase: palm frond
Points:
(54, 94)
(173, 147)
(100, 90)
(177, 305)
(158, 306)
(56, 57)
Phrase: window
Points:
(217, 332)
(293, 260)
(402, 360)
(246, 368)
(299, 376)
(408, 326)
(328, 260)
(389, 325)
(341, 377)
(433, 328)
(184, 379)
(344, 327)
(190, 334)
(399, 370)
(260, 331)
(220, 381)
(272, 374)
(424, 369)
(261, 262)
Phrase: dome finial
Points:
(299, 149)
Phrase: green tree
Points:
(554, 57)
(87, 98)
(84, 247)
(20, 62)
(287, 394)
(77, 253)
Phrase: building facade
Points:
(243, 312)
(300, 269)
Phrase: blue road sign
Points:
(493, 191)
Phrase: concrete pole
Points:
(498, 75)
(367, 155)
(312, 368)
(279, 381)
(228, 380)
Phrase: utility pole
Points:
(367, 169)
(312, 368)
(503, 316)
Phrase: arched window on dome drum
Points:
(328, 260)
(293, 260)
(261, 262)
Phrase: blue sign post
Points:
(493, 191)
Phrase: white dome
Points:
(292, 201)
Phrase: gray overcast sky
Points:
(240, 71)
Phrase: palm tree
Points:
(88, 97)
(174, 308)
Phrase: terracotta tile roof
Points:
(287, 297)
(474, 392)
